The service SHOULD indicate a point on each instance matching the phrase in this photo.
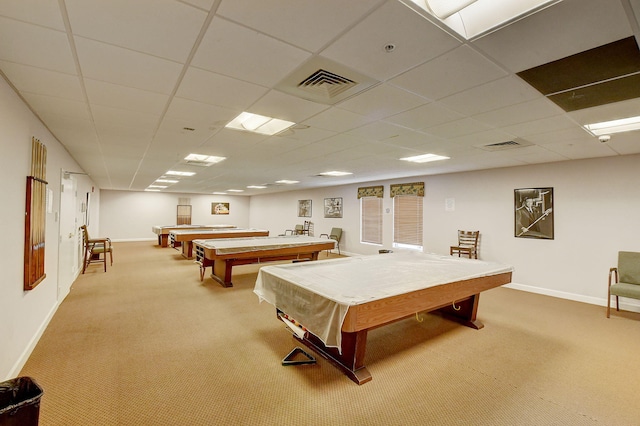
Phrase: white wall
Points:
(596, 204)
(129, 216)
(25, 314)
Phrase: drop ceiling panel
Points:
(43, 82)
(561, 30)
(127, 98)
(126, 67)
(490, 96)
(215, 89)
(363, 48)
(44, 13)
(533, 127)
(520, 113)
(453, 72)
(49, 105)
(337, 120)
(425, 116)
(286, 107)
(196, 114)
(35, 46)
(607, 112)
(382, 101)
(107, 116)
(160, 28)
(309, 25)
(248, 55)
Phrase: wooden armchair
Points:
(626, 278)
(336, 234)
(93, 248)
(467, 244)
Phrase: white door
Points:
(68, 240)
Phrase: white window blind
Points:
(371, 220)
(407, 221)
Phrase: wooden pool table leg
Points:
(222, 272)
(164, 238)
(351, 360)
(465, 311)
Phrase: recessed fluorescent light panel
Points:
(200, 158)
(177, 173)
(425, 158)
(287, 182)
(166, 181)
(335, 173)
(475, 18)
(259, 124)
(614, 126)
(235, 190)
(256, 187)
(157, 186)
(219, 193)
(152, 190)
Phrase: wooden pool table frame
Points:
(458, 300)
(223, 263)
(186, 237)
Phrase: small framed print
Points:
(219, 208)
(333, 207)
(533, 208)
(304, 208)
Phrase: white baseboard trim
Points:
(624, 303)
(24, 357)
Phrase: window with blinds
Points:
(371, 220)
(407, 221)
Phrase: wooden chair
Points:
(467, 244)
(626, 278)
(93, 248)
(306, 228)
(336, 234)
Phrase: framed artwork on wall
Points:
(533, 208)
(219, 208)
(333, 207)
(304, 208)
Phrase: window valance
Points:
(415, 188)
(371, 191)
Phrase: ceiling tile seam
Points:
(74, 53)
(595, 83)
(185, 67)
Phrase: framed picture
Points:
(304, 208)
(333, 207)
(219, 208)
(533, 208)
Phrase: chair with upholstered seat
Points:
(95, 250)
(624, 280)
(335, 234)
(467, 244)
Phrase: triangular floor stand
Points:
(289, 359)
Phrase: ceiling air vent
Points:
(500, 146)
(324, 81)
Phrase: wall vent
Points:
(324, 81)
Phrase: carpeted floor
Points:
(147, 343)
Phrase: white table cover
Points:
(241, 245)
(215, 231)
(318, 294)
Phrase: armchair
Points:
(93, 248)
(624, 280)
(336, 234)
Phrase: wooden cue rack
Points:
(35, 217)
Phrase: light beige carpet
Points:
(147, 343)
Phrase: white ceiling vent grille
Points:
(501, 146)
(324, 81)
(326, 84)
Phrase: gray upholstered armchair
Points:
(624, 280)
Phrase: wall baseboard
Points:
(632, 307)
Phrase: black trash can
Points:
(20, 402)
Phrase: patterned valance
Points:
(415, 188)
(371, 191)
